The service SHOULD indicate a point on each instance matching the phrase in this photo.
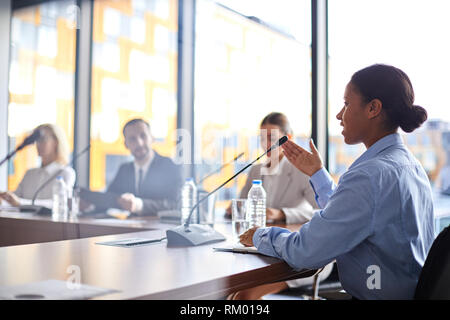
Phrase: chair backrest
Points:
(434, 279)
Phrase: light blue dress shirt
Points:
(377, 223)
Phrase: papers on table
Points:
(237, 248)
(52, 290)
(8, 208)
(132, 242)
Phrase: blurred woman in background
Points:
(53, 150)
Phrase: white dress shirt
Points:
(137, 167)
(35, 177)
(144, 168)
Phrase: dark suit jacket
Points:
(161, 186)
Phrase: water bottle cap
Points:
(59, 177)
(257, 181)
(189, 179)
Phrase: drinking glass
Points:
(239, 217)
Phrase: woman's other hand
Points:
(276, 215)
(11, 198)
(247, 237)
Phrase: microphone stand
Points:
(201, 190)
(219, 169)
(12, 153)
(197, 234)
(9, 156)
(28, 140)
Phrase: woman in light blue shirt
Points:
(378, 221)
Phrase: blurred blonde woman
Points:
(53, 150)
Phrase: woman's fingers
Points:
(294, 148)
(247, 237)
(313, 147)
(6, 196)
(11, 198)
(290, 150)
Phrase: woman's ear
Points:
(375, 107)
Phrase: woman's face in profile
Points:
(353, 116)
(269, 134)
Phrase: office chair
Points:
(434, 279)
(330, 288)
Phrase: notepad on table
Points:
(133, 242)
(52, 289)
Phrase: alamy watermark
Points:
(73, 14)
(374, 280)
(73, 282)
(215, 142)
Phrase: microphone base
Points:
(40, 210)
(193, 235)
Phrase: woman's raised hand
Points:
(305, 161)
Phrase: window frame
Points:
(185, 81)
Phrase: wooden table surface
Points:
(17, 228)
(154, 271)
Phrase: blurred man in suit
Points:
(151, 182)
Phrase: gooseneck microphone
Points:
(32, 138)
(274, 146)
(42, 209)
(219, 169)
(196, 234)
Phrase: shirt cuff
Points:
(320, 179)
(139, 205)
(259, 235)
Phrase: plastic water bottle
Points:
(188, 200)
(256, 202)
(60, 208)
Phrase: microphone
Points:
(41, 209)
(32, 138)
(174, 215)
(218, 170)
(280, 141)
(197, 234)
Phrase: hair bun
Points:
(413, 119)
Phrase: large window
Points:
(411, 35)
(41, 80)
(134, 72)
(245, 68)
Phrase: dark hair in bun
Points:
(393, 88)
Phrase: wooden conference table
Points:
(153, 271)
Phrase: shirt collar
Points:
(52, 167)
(273, 169)
(145, 165)
(377, 147)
